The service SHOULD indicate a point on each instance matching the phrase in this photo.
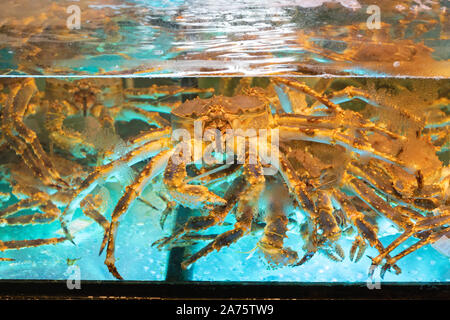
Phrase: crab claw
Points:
(61, 184)
(385, 268)
(305, 258)
(358, 248)
(67, 234)
(332, 256)
(277, 256)
(396, 269)
(162, 242)
(334, 252)
(112, 268)
(340, 252)
(162, 220)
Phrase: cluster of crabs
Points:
(347, 159)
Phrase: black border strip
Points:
(125, 290)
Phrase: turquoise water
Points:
(246, 37)
(140, 227)
(195, 41)
(138, 260)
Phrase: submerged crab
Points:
(76, 117)
(19, 137)
(390, 48)
(327, 124)
(38, 34)
(32, 120)
(38, 203)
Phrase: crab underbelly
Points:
(191, 201)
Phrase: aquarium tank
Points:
(167, 141)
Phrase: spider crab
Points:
(39, 204)
(70, 111)
(328, 125)
(45, 180)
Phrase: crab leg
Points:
(143, 152)
(360, 245)
(19, 244)
(216, 216)
(334, 253)
(310, 92)
(191, 196)
(140, 140)
(349, 142)
(271, 244)
(190, 239)
(30, 138)
(171, 205)
(366, 194)
(246, 209)
(353, 120)
(51, 214)
(128, 113)
(348, 94)
(322, 216)
(378, 179)
(375, 176)
(296, 187)
(26, 153)
(19, 206)
(38, 200)
(351, 93)
(215, 174)
(324, 220)
(133, 191)
(431, 238)
(14, 112)
(90, 209)
(23, 151)
(423, 225)
(156, 92)
(366, 229)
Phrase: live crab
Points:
(44, 180)
(373, 152)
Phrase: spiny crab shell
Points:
(232, 112)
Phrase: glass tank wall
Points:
(290, 141)
(77, 153)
